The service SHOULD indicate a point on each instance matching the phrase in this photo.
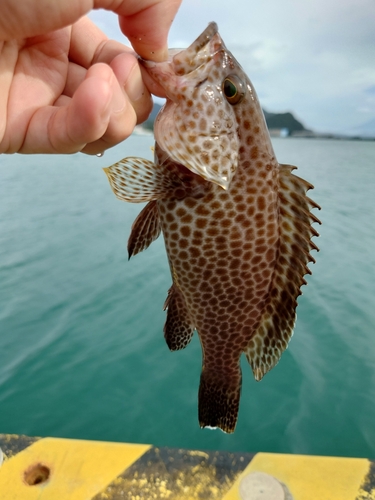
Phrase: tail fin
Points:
(219, 399)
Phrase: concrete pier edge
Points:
(57, 469)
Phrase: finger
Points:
(89, 45)
(98, 109)
(8, 59)
(75, 76)
(128, 73)
(146, 24)
(28, 18)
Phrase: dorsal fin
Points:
(279, 313)
(145, 229)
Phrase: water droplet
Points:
(99, 155)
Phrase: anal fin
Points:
(178, 328)
(219, 398)
(279, 311)
(145, 229)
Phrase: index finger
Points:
(146, 24)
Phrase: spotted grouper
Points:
(236, 223)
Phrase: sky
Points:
(314, 58)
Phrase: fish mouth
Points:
(204, 37)
(182, 62)
(199, 52)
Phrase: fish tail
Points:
(219, 399)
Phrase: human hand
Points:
(64, 87)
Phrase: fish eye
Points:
(233, 88)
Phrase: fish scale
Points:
(236, 223)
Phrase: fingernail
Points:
(134, 86)
(160, 55)
(156, 56)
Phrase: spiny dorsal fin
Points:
(277, 322)
(145, 229)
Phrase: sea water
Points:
(82, 353)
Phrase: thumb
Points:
(29, 18)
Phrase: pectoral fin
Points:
(145, 229)
(138, 180)
(178, 328)
(279, 313)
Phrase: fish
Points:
(237, 225)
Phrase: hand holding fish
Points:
(64, 86)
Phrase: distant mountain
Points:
(274, 121)
(283, 121)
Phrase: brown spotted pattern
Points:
(237, 255)
(197, 126)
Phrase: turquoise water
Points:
(82, 353)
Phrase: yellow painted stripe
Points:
(308, 477)
(78, 469)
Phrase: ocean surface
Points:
(82, 353)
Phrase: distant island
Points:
(284, 124)
(279, 125)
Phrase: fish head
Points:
(207, 92)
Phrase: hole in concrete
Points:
(36, 474)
